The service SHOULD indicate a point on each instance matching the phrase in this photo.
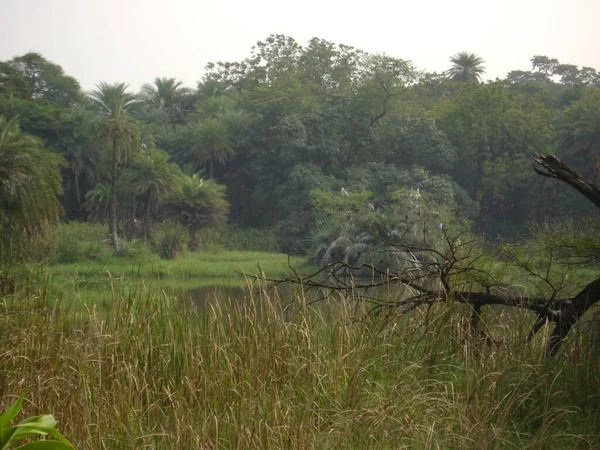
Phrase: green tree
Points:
(199, 203)
(30, 186)
(97, 203)
(212, 143)
(169, 96)
(578, 132)
(466, 67)
(82, 154)
(47, 81)
(495, 132)
(152, 176)
(116, 130)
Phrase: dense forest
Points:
(315, 142)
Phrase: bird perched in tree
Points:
(414, 197)
(344, 192)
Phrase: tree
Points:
(495, 133)
(199, 203)
(578, 131)
(466, 67)
(152, 176)
(168, 95)
(112, 103)
(82, 154)
(452, 270)
(97, 203)
(46, 80)
(30, 186)
(212, 143)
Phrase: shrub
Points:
(169, 239)
(230, 237)
(80, 242)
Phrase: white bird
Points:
(440, 226)
(416, 196)
(371, 207)
(344, 192)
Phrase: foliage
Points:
(578, 133)
(151, 176)
(169, 239)
(169, 97)
(79, 242)
(496, 134)
(112, 103)
(466, 67)
(213, 144)
(407, 141)
(30, 186)
(230, 237)
(295, 206)
(200, 203)
(261, 124)
(32, 427)
(97, 203)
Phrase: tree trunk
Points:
(571, 310)
(112, 223)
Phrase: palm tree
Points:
(112, 103)
(198, 204)
(81, 153)
(154, 177)
(97, 202)
(466, 67)
(30, 186)
(212, 143)
(168, 95)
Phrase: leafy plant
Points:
(170, 239)
(32, 427)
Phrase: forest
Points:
(474, 202)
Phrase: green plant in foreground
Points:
(32, 427)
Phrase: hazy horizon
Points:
(136, 41)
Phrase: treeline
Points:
(321, 142)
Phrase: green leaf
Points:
(44, 420)
(11, 413)
(30, 430)
(46, 445)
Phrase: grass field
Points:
(85, 283)
(148, 373)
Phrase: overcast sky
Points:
(135, 41)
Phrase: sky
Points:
(135, 41)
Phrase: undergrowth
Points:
(154, 372)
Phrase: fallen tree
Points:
(452, 271)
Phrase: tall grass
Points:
(157, 373)
(229, 237)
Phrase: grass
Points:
(153, 373)
(86, 283)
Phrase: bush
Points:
(169, 239)
(80, 242)
(232, 238)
